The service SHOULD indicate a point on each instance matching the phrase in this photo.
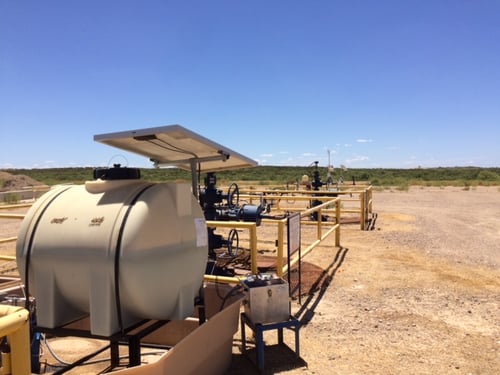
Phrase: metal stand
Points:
(258, 329)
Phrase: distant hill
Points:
(10, 181)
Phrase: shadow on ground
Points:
(316, 285)
(278, 358)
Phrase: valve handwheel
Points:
(233, 249)
(233, 194)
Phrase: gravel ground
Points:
(419, 294)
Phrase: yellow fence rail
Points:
(11, 215)
(28, 193)
(8, 239)
(14, 323)
(323, 230)
(358, 200)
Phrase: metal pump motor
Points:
(225, 207)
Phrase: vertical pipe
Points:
(362, 208)
(370, 197)
(337, 223)
(253, 247)
(14, 323)
(281, 226)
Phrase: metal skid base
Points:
(258, 329)
(131, 337)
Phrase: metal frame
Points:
(131, 336)
(258, 329)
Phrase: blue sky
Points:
(379, 83)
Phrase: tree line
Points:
(288, 176)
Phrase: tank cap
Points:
(117, 173)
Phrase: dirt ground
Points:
(418, 294)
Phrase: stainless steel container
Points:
(267, 299)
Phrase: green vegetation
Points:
(11, 198)
(466, 177)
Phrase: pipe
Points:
(12, 216)
(14, 323)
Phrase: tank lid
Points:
(117, 172)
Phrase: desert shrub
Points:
(488, 175)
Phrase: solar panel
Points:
(174, 145)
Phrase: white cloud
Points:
(361, 140)
(266, 155)
(357, 159)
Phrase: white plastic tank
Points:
(117, 250)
